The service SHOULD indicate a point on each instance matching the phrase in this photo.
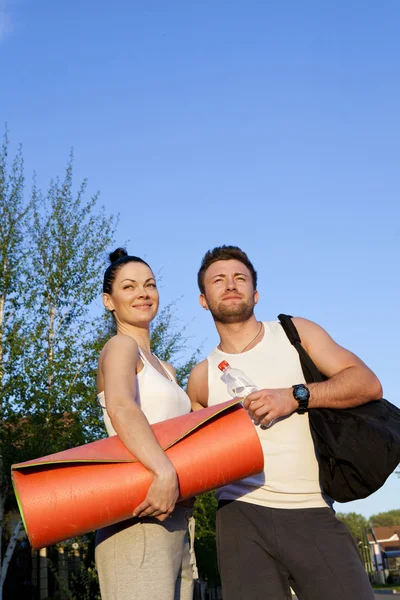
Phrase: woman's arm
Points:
(118, 365)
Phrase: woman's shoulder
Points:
(119, 343)
(121, 351)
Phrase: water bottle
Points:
(238, 384)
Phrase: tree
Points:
(356, 523)
(169, 342)
(49, 336)
(69, 239)
(358, 526)
(386, 519)
(205, 510)
(13, 215)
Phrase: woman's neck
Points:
(140, 334)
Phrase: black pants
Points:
(262, 552)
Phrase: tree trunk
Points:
(8, 555)
(2, 505)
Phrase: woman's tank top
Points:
(158, 397)
(290, 476)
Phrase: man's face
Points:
(229, 293)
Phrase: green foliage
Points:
(54, 389)
(358, 526)
(169, 343)
(13, 221)
(82, 583)
(386, 519)
(356, 523)
(69, 237)
(205, 510)
(52, 251)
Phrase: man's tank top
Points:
(158, 397)
(290, 476)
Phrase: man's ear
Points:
(108, 303)
(256, 297)
(203, 302)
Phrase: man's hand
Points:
(264, 406)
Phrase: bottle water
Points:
(239, 385)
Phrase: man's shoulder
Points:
(200, 370)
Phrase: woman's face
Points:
(134, 297)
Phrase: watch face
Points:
(301, 392)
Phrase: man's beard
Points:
(232, 313)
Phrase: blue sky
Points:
(266, 124)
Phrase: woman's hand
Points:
(161, 496)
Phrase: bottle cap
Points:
(222, 365)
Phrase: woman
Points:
(147, 556)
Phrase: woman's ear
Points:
(108, 303)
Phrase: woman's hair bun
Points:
(118, 253)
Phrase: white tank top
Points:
(158, 397)
(290, 476)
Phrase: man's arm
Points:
(350, 382)
(197, 386)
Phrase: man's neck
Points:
(237, 337)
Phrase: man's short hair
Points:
(224, 253)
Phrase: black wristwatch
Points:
(301, 393)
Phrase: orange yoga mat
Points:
(76, 491)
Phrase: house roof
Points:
(395, 545)
(391, 533)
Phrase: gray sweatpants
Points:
(263, 551)
(144, 559)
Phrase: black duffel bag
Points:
(357, 448)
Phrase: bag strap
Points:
(310, 370)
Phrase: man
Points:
(277, 529)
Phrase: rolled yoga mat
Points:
(76, 491)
